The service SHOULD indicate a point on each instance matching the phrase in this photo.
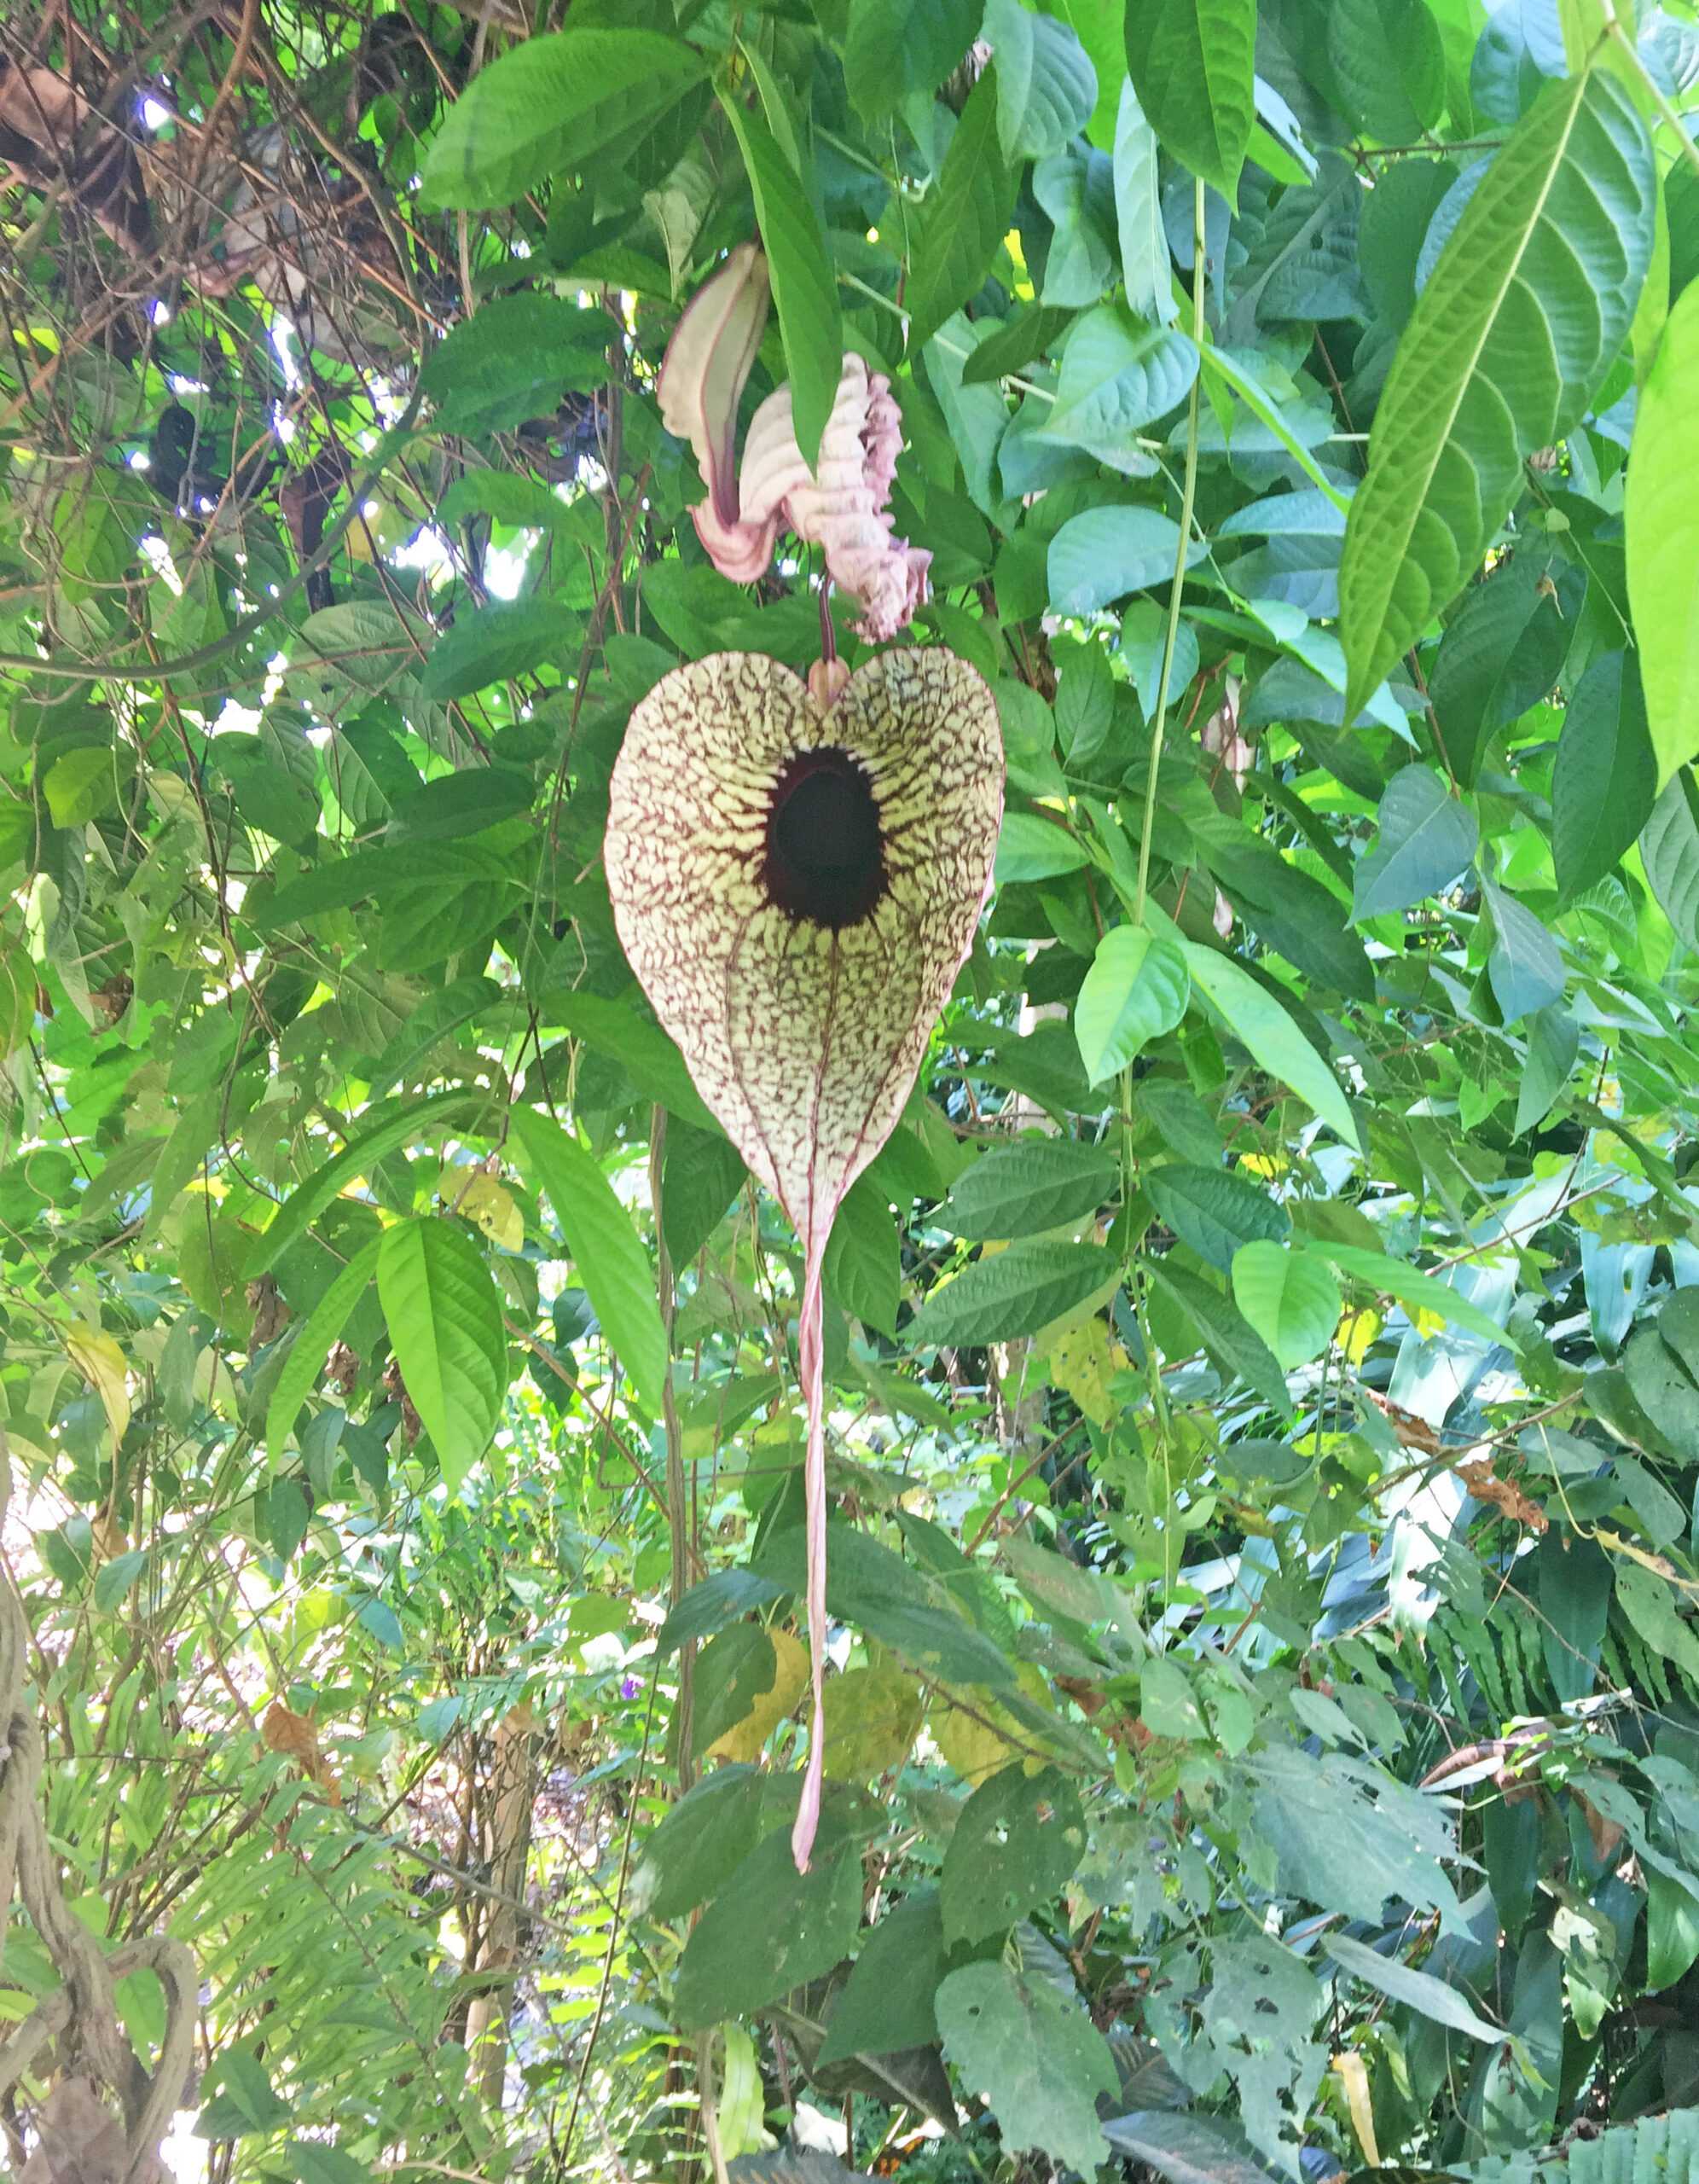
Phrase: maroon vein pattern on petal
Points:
(804, 1035)
(804, 1040)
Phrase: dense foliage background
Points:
(1264, 1697)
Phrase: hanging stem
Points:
(678, 1509)
(1200, 275)
(810, 1344)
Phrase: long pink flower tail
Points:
(809, 1345)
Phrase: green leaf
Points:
(1119, 374)
(896, 49)
(769, 1929)
(1289, 1299)
(1033, 848)
(1501, 652)
(1147, 268)
(1035, 2056)
(1420, 1291)
(878, 1593)
(511, 361)
(1075, 189)
(437, 1015)
(1264, 1029)
(1137, 988)
(445, 1321)
(804, 286)
(1420, 1991)
(1523, 314)
(1525, 969)
(403, 1126)
(304, 1367)
(700, 1843)
(863, 1259)
(1661, 527)
(1011, 1292)
(888, 2001)
(1389, 64)
(117, 1579)
(1100, 555)
(609, 1255)
(494, 643)
(551, 103)
(1604, 781)
(1047, 85)
(1669, 848)
(1193, 65)
(1236, 1348)
(1013, 345)
(711, 1604)
(1024, 1188)
(1554, 1040)
(702, 1175)
(1425, 838)
(1017, 1842)
(312, 2162)
(1214, 1210)
(967, 215)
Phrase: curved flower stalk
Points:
(797, 886)
(842, 505)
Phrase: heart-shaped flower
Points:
(797, 887)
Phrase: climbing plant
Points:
(849, 1242)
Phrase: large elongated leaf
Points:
(1193, 65)
(1426, 837)
(358, 1157)
(1669, 848)
(550, 103)
(304, 1367)
(1604, 781)
(1012, 1292)
(968, 219)
(1528, 306)
(1261, 1025)
(1661, 522)
(804, 288)
(1021, 1189)
(445, 1327)
(1047, 85)
(606, 1250)
(1145, 266)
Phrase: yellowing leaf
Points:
(747, 1740)
(491, 1206)
(100, 1361)
(1356, 1332)
(1081, 1363)
(873, 1716)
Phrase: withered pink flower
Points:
(701, 384)
(797, 886)
(841, 505)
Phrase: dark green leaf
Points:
(804, 286)
(1011, 1292)
(1193, 66)
(1604, 780)
(1214, 1210)
(550, 103)
(768, 1929)
(1023, 1189)
(1425, 838)
(1018, 1840)
(1524, 312)
(966, 221)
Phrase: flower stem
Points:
(1200, 275)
